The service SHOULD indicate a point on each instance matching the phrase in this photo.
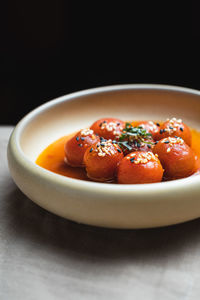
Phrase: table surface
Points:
(43, 256)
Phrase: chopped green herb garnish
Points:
(134, 136)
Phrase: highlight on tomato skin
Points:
(139, 167)
(75, 148)
(101, 160)
(176, 157)
(149, 126)
(108, 128)
(175, 127)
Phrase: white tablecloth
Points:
(44, 257)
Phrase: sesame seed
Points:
(171, 141)
(91, 149)
(111, 126)
(77, 138)
(156, 143)
(158, 124)
(132, 159)
(149, 146)
(119, 150)
(181, 128)
(82, 138)
(174, 125)
(86, 132)
(105, 147)
(101, 154)
(161, 131)
(143, 158)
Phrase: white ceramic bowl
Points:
(108, 205)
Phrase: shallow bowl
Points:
(100, 204)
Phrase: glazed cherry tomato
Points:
(139, 146)
(101, 160)
(176, 157)
(140, 167)
(175, 127)
(135, 138)
(149, 126)
(108, 128)
(75, 148)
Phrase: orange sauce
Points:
(52, 158)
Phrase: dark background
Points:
(50, 48)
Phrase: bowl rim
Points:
(103, 188)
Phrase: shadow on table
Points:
(31, 222)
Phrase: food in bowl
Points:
(136, 152)
(75, 148)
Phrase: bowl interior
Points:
(48, 123)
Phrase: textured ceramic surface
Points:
(108, 205)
